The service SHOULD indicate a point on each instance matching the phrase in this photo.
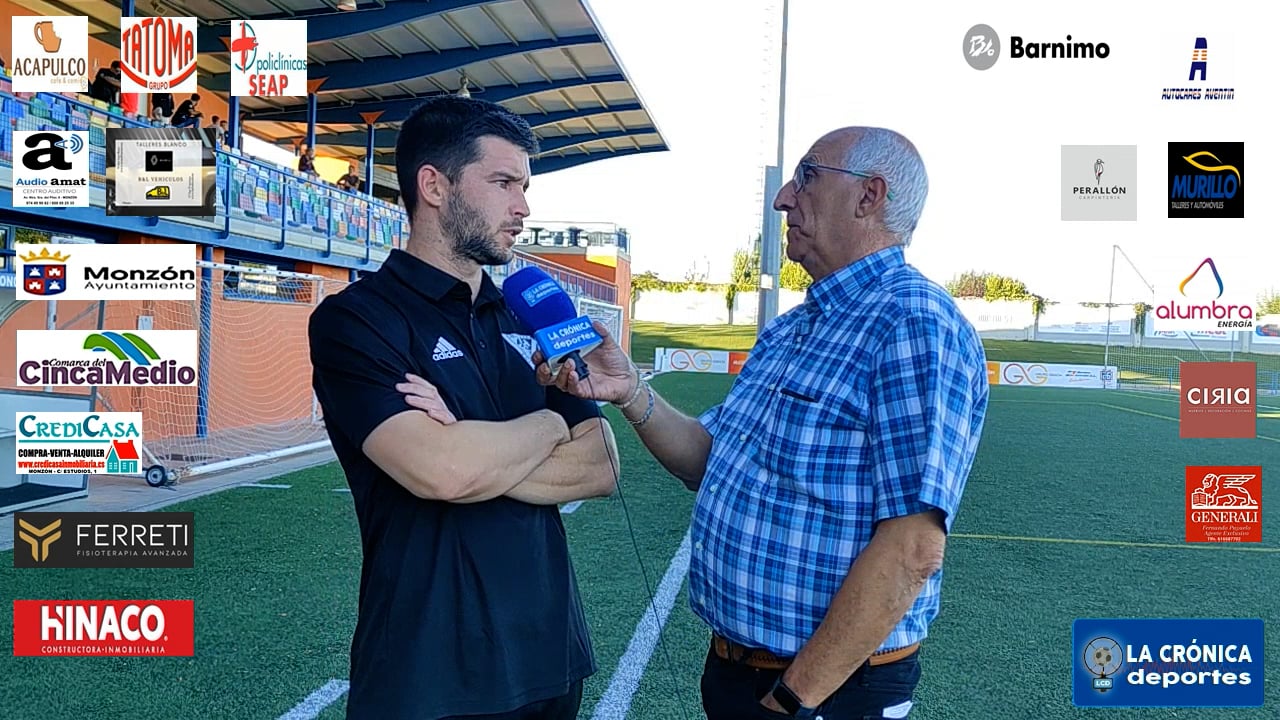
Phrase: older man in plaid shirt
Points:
(830, 476)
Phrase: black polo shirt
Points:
(464, 608)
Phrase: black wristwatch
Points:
(789, 701)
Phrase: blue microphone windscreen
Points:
(536, 299)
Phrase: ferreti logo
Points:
(73, 358)
(1197, 307)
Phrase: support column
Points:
(369, 119)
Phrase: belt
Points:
(764, 660)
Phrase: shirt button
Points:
(743, 437)
(713, 488)
(697, 545)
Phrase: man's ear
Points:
(431, 186)
(874, 194)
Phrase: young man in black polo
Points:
(468, 601)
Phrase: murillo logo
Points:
(1218, 400)
(158, 54)
(1206, 180)
(114, 628)
(104, 540)
(1224, 504)
(1203, 307)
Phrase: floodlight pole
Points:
(771, 227)
(1111, 288)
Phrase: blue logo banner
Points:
(1123, 662)
(563, 338)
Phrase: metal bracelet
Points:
(634, 394)
(648, 411)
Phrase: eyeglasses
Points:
(805, 166)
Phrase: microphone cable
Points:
(635, 544)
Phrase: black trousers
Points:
(733, 692)
(564, 707)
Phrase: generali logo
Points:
(1218, 400)
(1224, 504)
(96, 628)
(158, 54)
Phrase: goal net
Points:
(253, 399)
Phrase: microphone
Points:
(543, 307)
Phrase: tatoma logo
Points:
(1218, 400)
(982, 49)
(78, 443)
(106, 272)
(158, 54)
(50, 54)
(104, 540)
(269, 58)
(1206, 180)
(73, 358)
(1224, 504)
(1099, 182)
(1213, 79)
(98, 628)
(1181, 313)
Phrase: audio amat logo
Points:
(1206, 180)
(103, 628)
(75, 358)
(158, 54)
(1199, 315)
(53, 170)
(1218, 400)
(269, 58)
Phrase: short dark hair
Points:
(444, 132)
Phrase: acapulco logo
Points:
(158, 54)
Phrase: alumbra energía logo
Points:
(1200, 305)
(78, 358)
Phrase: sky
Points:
(991, 141)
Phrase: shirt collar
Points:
(834, 291)
(435, 284)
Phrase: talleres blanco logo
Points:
(50, 54)
(51, 168)
(78, 358)
(158, 54)
(105, 272)
(269, 58)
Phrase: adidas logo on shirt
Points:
(445, 350)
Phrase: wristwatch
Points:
(790, 702)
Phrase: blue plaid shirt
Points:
(864, 403)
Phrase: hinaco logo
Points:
(73, 358)
(158, 54)
(1198, 315)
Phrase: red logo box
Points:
(1224, 503)
(103, 628)
(1218, 400)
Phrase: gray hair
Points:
(886, 153)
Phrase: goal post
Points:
(253, 400)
